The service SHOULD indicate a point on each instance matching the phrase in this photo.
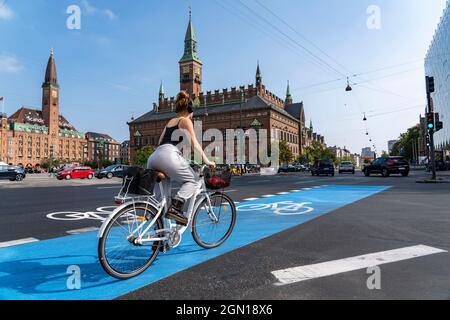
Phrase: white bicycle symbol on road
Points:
(284, 208)
(101, 214)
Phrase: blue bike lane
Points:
(42, 270)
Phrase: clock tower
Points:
(50, 101)
(190, 64)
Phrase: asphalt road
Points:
(405, 215)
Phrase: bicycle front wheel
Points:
(214, 221)
(120, 255)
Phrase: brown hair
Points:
(182, 102)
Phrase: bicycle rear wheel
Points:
(213, 224)
(119, 255)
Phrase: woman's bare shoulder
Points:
(185, 123)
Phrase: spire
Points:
(161, 90)
(311, 125)
(50, 73)
(258, 75)
(288, 95)
(190, 43)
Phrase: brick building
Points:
(31, 136)
(125, 152)
(101, 147)
(252, 106)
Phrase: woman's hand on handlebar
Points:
(211, 164)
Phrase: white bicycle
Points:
(137, 231)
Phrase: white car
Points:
(346, 166)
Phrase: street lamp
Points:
(349, 88)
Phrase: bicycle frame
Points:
(161, 206)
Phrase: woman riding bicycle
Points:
(168, 159)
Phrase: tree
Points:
(317, 152)
(142, 155)
(384, 154)
(404, 145)
(285, 155)
(302, 159)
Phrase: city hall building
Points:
(31, 136)
(437, 65)
(245, 107)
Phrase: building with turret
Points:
(32, 136)
(244, 106)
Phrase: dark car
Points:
(387, 166)
(287, 168)
(111, 172)
(322, 167)
(12, 173)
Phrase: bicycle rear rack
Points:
(124, 196)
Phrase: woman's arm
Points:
(189, 127)
(161, 137)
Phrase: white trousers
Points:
(168, 159)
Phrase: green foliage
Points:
(142, 155)
(302, 159)
(404, 145)
(47, 163)
(285, 155)
(317, 152)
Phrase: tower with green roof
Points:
(289, 99)
(190, 64)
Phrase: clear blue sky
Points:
(111, 68)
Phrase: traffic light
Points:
(428, 140)
(430, 84)
(439, 124)
(430, 121)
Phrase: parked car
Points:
(387, 166)
(347, 166)
(12, 173)
(322, 167)
(76, 172)
(110, 172)
(300, 167)
(287, 168)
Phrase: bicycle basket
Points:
(138, 181)
(218, 178)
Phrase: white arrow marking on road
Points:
(17, 242)
(325, 269)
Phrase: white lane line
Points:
(325, 269)
(250, 199)
(83, 230)
(17, 242)
(282, 193)
(307, 189)
(268, 196)
(296, 190)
